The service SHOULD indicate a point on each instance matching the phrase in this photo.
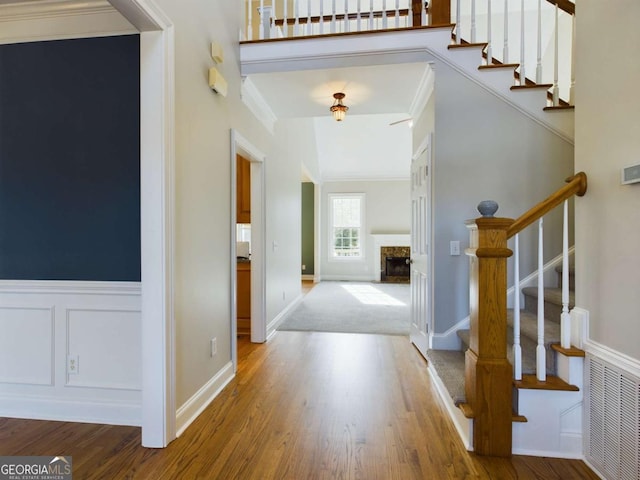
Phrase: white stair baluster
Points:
(523, 78)
(517, 349)
(346, 16)
(397, 14)
(541, 359)
(261, 27)
(384, 14)
(565, 318)
(573, 59)
(458, 24)
(556, 90)
(359, 16)
(505, 46)
(296, 24)
(285, 25)
(539, 62)
(333, 16)
(370, 14)
(321, 19)
(489, 49)
(473, 21)
(249, 20)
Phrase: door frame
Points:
(240, 145)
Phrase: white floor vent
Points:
(613, 416)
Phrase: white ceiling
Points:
(364, 145)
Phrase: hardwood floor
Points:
(304, 406)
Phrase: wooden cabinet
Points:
(243, 190)
(244, 298)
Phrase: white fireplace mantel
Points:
(386, 240)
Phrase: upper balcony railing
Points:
(536, 34)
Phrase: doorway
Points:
(256, 255)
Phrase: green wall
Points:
(307, 227)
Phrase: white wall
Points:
(387, 210)
(608, 216)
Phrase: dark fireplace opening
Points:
(397, 268)
(395, 264)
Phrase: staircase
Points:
(515, 387)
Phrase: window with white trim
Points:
(346, 226)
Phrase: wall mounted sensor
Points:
(217, 82)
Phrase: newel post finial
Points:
(488, 208)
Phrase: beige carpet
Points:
(353, 307)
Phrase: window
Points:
(346, 226)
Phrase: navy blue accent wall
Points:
(70, 160)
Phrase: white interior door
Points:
(420, 240)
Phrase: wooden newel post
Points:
(488, 373)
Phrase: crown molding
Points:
(256, 103)
(423, 93)
(34, 9)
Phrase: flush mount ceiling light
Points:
(338, 109)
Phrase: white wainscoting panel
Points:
(106, 358)
(42, 323)
(26, 345)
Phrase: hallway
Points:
(304, 406)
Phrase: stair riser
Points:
(572, 280)
(552, 311)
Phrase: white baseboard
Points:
(546, 453)
(273, 325)
(193, 407)
(448, 340)
(71, 410)
(464, 426)
(310, 277)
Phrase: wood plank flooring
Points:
(304, 406)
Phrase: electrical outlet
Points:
(73, 364)
(214, 346)
(454, 247)
(304, 267)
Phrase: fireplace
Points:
(395, 264)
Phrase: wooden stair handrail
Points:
(576, 185)
(564, 5)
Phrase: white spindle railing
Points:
(346, 16)
(517, 349)
(249, 22)
(539, 45)
(458, 23)
(545, 41)
(556, 54)
(261, 26)
(523, 63)
(565, 319)
(505, 34)
(541, 352)
(473, 21)
(489, 47)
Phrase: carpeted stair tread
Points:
(449, 365)
(551, 295)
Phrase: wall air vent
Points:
(631, 174)
(613, 419)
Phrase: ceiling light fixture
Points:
(338, 109)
